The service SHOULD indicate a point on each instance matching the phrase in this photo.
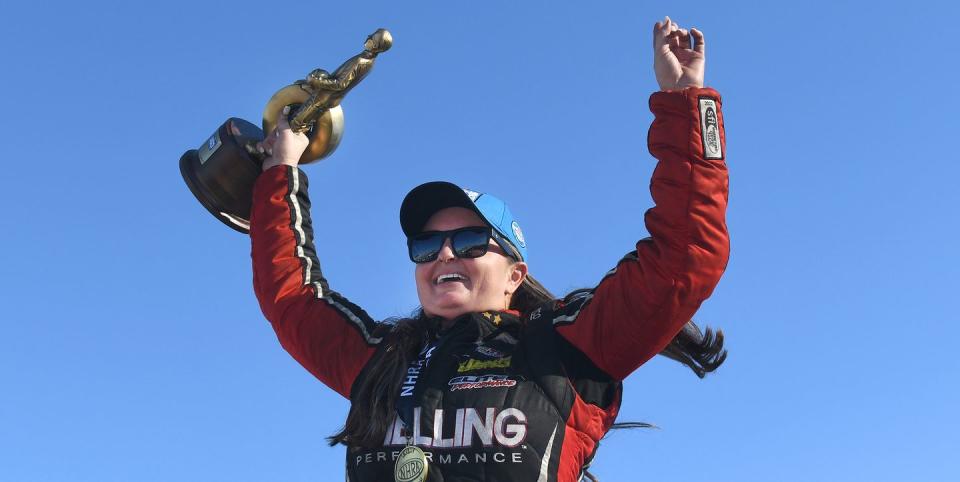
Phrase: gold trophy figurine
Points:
(221, 173)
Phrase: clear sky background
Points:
(131, 344)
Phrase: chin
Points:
(448, 308)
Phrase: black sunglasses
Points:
(469, 242)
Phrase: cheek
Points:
(419, 275)
(494, 275)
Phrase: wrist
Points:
(271, 162)
(681, 86)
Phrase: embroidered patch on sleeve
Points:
(710, 129)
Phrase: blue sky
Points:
(133, 348)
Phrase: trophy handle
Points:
(326, 132)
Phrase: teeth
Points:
(450, 277)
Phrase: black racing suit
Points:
(510, 396)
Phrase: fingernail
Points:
(286, 109)
(260, 148)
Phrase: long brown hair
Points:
(374, 398)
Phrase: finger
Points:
(675, 36)
(665, 27)
(660, 32)
(699, 46)
(673, 40)
(267, 143)
(657, 34)
(683, 36)
(266, 146)
(282, 122)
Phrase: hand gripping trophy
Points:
(221, 173)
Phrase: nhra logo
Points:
(411, 467)
(474, 364)
(470, 382)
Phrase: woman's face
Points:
(486, 284)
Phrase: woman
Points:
(495, 379)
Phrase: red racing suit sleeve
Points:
(330, 336)
(642, 303)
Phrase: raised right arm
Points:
(330, 336)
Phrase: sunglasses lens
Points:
(425, 247)
(471, 243)
(466, 243)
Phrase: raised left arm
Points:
(643, 303)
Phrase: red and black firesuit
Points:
(508, 396)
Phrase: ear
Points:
(517, 273)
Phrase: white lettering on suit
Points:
(488, 426)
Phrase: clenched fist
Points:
(678, 56)
(283, 146)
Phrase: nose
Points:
(446, 251)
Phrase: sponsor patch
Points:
(488, 351)
(710, 129)
(471, 382)
(462, 428)
(474, 364)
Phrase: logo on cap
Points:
(518, 234)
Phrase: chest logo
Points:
(474, 364)
(464, 428)
(470, 382)
(489, 351)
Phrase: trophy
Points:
(221, 173)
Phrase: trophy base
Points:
(222, 172)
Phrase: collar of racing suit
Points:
(483, 323)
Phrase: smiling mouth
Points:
(446, 278)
